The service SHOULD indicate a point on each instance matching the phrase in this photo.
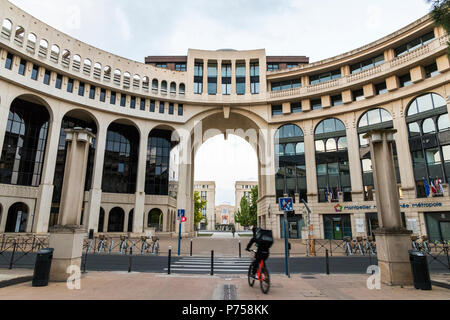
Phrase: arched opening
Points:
(116, 220)
(73, 119)
(155, 219)
(7, 27)
(130, 220)
(173, 87)
(164, 86)
(25, 142)
(17, 218)
(121, 159)
(428, 124)
(155, 85)
(101, 220)
(182, 89)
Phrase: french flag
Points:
(433, 188)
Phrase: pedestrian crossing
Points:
(202, 265)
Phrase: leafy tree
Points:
(440, 12)
(242, 215)
(199, 205)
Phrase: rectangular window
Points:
(291, 65)
(171, 110)
(212, 78)
(8, 62)
(226, 79)
(277, 110)
(431, 70)
(92, 92)
(381, 88)
(180, 109)
(336, 100)
(367, 64)
(102, 95)
(273, 66)
(152, 105)
(414, 44)
(70, 85)
(405, 80)
(240, 78)
(142, 104)
(323, 77)
(285, 85)
(81, 89)
(180, 67)
(254, 77)
(112, 100)
(35, 72)
(161, 107)
(316, 104)
(161, 65)
(47, 77)
(58, 83)
(198, 78)
(22, 65)
(296, 107)
(358, 95)
(133, 103)
(123, 99)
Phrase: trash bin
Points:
(419, 267)
(42, 267)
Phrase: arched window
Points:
(76, 62)
(31, 40)
(145, 83)
(6, 27)
(101, 220)
(164, 86)
(136, 81)
(155, 85)
(429, 148)
(87, 65)
(20, 33)
(290, 162)
(116, 220)
(155, 219)
(182, 89)
(66, 58)
(43, 44)
(173, 87)
(17, 218)
(333, 173)
(130, 220)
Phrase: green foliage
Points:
(440, 12)
(254, 206)
(247, 214)
(199, 205)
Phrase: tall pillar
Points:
(310, 161)
(185, 199)
(219, 76)
(393, 241)
(95, 194)
(67, 237)
(138, 217)
(44, 201)
(355, 163)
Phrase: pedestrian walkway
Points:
(202, 265)
(223, 235)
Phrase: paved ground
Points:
(147, 286)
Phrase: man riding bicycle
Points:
(262, 252)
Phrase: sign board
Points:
(286, 204)
(360, 228)
(181, 213)
(412, 225)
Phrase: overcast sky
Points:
(319, 29)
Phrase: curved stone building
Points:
(305, 122)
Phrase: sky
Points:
(135, 29)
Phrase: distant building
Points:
(225, 214)
(243, 189)
(207, 191)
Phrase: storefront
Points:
(438, 226)
(337, 227)
(295, 225)
(372, 222)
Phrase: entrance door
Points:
(445, 230)
(293, 229)
(337, 230)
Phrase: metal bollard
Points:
(3, 242)
(191, 249)
(85, 258)
(212, 262)
(327, 262)
(130, 260)
(12, 255)
(240, 252)
(169, 257)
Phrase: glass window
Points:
(320, 146)
(289, 150)
(8, 61)
(171, 108)
(212, 78)
(431, 70)
(296, 107)
(277, 110)
(198, 78)
(254, 77)
(22, 65)
(428, 126)
(133, 102)
(161, 107)
(327, 76)
(300, 148)
(342, 143)
(58, 83)
(113, 98)
(180, 67)
(70, 85)
(414, 129)
(316, 104)
(47, 77)
(414, 44)
(240, 78)
(102, 95)
(92, 92)
(34, 72)
(336, 100)
(152, 105)
(272, 66)
(123, 100)
(405, 80)
(443, 123)
(331, 145)
(81, 89)
(358, 95)
(381, 88)
(180, 109)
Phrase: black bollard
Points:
(168, 263)
(191, 249)
(130, 260)
(327, 262)
(85, 259)
(212, 262)
(240, 252)
(11, 262)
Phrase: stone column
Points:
(310, 159)
(393, 241)
(355, 163)
(95, 194)
(138, 217)
(185, 197)
(67, 237)
(44, 201)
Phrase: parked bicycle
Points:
(262, 274)
(348, 246)
(155, 246)
(359, 246)
(370, 246)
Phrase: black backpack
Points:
(264, 238)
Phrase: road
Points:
(222, 265)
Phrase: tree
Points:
(254, 206)
(199, 205)
(247, 214)
(440, 12)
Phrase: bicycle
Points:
(415, 245)
(370, 246)
(155, 246)
(262, 274)
(359, 246)
(348, 246)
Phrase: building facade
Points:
(224, 216)
(305, 123)
(207, 192)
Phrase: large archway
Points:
(116, 220)
(155, 219)
(17, 219)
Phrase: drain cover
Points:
(229, 292)
(308, 277)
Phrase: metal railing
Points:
(14, 248)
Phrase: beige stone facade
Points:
(207, 191)
(38, 64)
(225, 214)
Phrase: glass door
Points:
(337, 229)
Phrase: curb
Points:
(15, 281)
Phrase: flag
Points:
(439, 186)
(326, 195)
(330, 195)
(433, 188)
(427, 187)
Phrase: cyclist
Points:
(262, 252)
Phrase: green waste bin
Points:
(419, 268)
(42, 267)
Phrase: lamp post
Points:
(393, 241)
